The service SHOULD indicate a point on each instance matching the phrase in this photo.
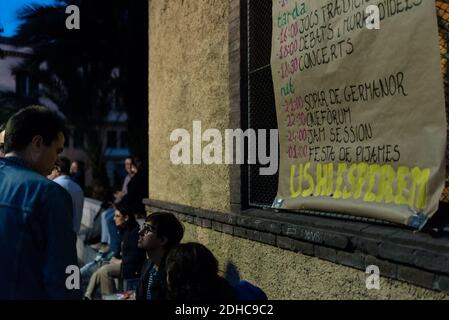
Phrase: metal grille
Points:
(443, 25)
(262, 111)
(261, 102)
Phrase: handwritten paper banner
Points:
(361, 113)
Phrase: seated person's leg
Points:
(94, 281)
(107, 274)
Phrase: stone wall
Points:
(188, 81)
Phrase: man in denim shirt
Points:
(37, 242)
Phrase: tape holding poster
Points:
(361, 113)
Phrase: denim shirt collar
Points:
(18, 161)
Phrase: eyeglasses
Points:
(147, 228)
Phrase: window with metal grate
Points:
(261, 112)
(261, 105)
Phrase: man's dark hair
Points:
(168, 226)
(64, 166)
(29, 122)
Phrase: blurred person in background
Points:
(129, 170)
(2, 140)
(137, 188)
(77, 172)
(62, 177)
(109, 238)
